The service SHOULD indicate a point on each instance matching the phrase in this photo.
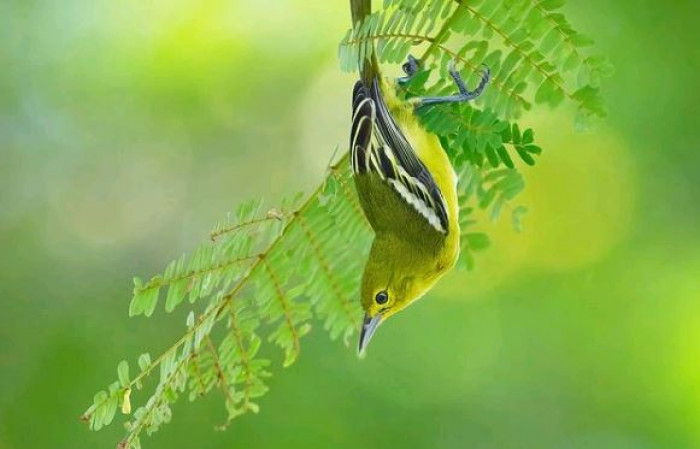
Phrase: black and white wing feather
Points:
(377, 146)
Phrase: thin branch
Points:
(269, 217)
(195, 273)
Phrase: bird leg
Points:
(464, 93)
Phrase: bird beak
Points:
(369, 326)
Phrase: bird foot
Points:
(464, 93)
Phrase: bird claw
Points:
(452, 69)
(485, 72)
(410, 68)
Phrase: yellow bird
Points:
(408, 191)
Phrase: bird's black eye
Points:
(382, 297)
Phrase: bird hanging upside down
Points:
(408, 190)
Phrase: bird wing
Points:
(378, 146)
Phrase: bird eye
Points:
(382, 297)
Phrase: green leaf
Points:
(99, 410)
(516, 138)
(571, 62)
(123, 373)
(176, 293)
(144, 361)
(534, 149)
(477, 241)
(505, 157)
(492, 156)
(517, 217)
(551, 5)
(525, 156)
(544, 92)
(487, 198)
(550, 41)
(581, 40)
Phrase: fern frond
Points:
(271, 284)
(532, 51)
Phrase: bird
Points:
(407, 188)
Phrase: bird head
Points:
(395, 276)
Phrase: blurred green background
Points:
(127, 129)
